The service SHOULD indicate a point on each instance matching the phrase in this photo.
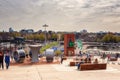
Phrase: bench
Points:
(74, 63)
(64, 58)
(113, 59)
(89, 66)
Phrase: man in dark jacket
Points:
(1, 59)
(7, 59)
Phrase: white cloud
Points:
(60, 13)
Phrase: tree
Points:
(49, 36)
(42, 37)
(58, 52)
(117, 39)
(30, 37)
(54, 36)
(15, 34)
(110, 38)
(62, 36)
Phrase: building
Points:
(28, 31)
(83, 31)
(11, 30)
(69, 40)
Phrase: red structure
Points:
(69, 40)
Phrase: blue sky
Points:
(60, 15)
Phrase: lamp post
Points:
(45, 25)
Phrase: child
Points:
(96, 61)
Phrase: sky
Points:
(60, 15)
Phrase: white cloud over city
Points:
(61, 15)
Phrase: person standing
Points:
(108, 56)
(117, 55)
(62, 59)
(1, 59)
(7, 59)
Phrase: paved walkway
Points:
(58, 72)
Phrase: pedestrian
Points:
(61, 59)
(117, 55)
(1, 59)
(80, 54)
(96, 61)
(108, 58)
(104, 55)
(82, 62)
(7, 59)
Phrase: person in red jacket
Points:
(1, 59)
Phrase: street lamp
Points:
(45, 25)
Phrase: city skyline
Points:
(60, 15)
